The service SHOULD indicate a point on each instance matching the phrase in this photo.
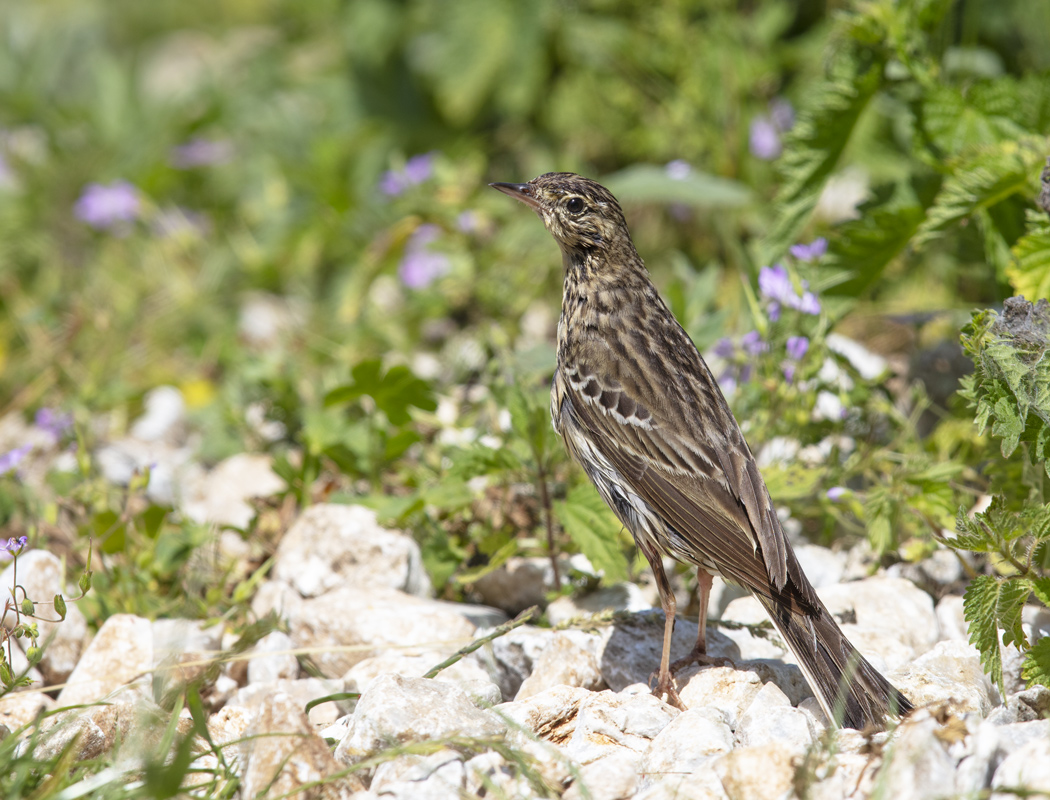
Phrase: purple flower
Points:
(12, 547)
(12, 458)
(775, 284)
(724, 348)
(789, 371)
(419, 266)
(53, 422)
(808, 304)
(753, 344)
(797, 347)
(765, 139)
(810, 252)
(468, 222)
(678, 169)
(782, 113)
(201, 152)
(836, 493)
(416, 170)
(108, 207)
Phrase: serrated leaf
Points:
(813, 148)
(979, 609)
(983, 178)
(1008, 426)
(591, 524)
(1036, 666)
(1041, 589)
(865, 246)
(1013, 594)
(1029, 274)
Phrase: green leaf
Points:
(814, 146)
(592, 525)
(645, 183)
(865, 246)
(1036, 666)
(1013, 594)
(979, 609)
(983, 178)
(1041, 589)
(1029, 274)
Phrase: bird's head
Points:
(581, 214)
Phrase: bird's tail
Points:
(850, 690)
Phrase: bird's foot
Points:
(665, 689)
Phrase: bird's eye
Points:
(574, 205)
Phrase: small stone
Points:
(221, 497)
(290, 762)
(518, 584)
(277, 597)
(613, 777)
(374, 619)
(789, 726)
(97, 729)
(917, 764)
(273, 659)
(22, 707)
(618, 597)
(230, 723)
(1027, 768)
(182, 648)
(688, 742)
(608, 722)
(333, 545)
(550, 715)
(822, 565)
(950, 618)
(570, 659)
(949, 673)
(756, 773)
(120, 653)
(725, 688)
(396, 710)
(300, 692)
(438, 776)
(515, 653)
(165, 411)
(490, 772)
(887, 609)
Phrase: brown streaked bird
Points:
(642, 414)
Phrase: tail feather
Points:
(850, 690)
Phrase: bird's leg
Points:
(699, 654)
(664, 678)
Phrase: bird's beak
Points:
(519, 191)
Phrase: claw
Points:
(665, 690)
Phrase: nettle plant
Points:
(1010, 392)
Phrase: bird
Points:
(639, 409)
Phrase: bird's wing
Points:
(669, 432)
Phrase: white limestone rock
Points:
(396, 710)
(334, 545)
(570, 659)
(121, 653)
